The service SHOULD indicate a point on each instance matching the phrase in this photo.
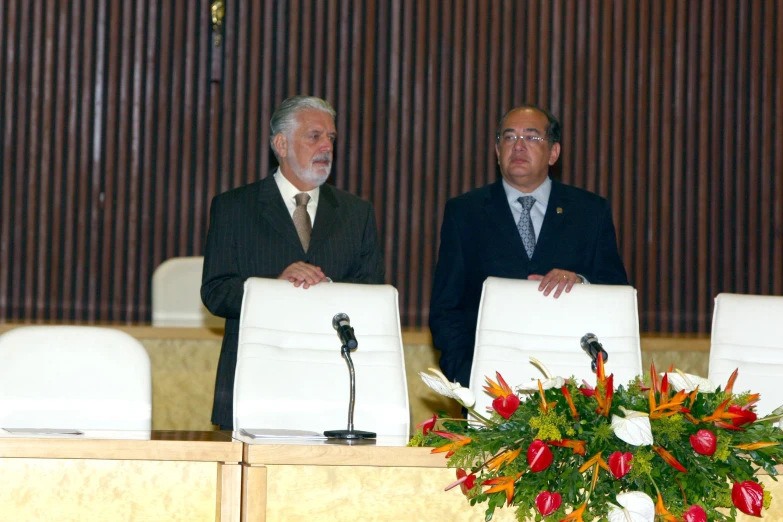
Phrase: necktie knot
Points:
(527, 202)
(304, 226)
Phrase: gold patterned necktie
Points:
(302, 219)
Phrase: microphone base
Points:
(349, 434)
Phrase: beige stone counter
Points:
(332, 482)
(117, 476)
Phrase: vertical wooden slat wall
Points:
(119, 121)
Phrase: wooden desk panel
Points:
(170, 476)
(291, 481)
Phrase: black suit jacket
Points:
(479, 238)
(251, 234)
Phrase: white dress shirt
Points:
(538, 210)
(289, 192)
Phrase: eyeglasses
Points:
(511, 139)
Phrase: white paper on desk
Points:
(282, 434)
(43, 431)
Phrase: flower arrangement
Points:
(572, 452)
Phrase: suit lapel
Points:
(325, 217)
(274, 211)
(553, 222)
(496, 207)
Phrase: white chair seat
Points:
(75, 377)
(176, 295)
(516, 321)
(747, 334)
(290, 372)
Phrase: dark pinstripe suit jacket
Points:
(480, 239)
(251, 234)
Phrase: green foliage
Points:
(705, 482)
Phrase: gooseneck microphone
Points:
(342, 324)
(593, 348)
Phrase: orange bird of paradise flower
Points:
(756, 445)
(730, 383)
(503, 458)
(577, 445)
(607, 383)
(595, 462)
(661, 511)
(720, 416)
(668, 405)
(575, 515)
(567, 395)
(669, 459)
(457, 441)
(505, 484)
(498, 389)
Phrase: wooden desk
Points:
(116, 476)
(314, 481)
(386, 481)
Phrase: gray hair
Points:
(284, 119)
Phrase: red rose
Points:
(745, 416)
(539, 456)
(620, 464)
(695, 514)
(703, 442)
(506, 406)
(547, 502)
(748, 497)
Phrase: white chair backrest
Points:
(176, 294)
(747, 334)
(517, 321)
(74, 377)
(290, 372)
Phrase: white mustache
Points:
(322, 157)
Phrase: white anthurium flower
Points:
(546, 383)
(689, 382)
(634, 428)
(635, 506)
(454, 390)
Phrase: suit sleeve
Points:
(453, 332)
(607, 266)
(222, 286)
(371, 269)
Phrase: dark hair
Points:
(553, 131)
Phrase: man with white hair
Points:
(289, 225)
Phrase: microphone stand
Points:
(350, 433)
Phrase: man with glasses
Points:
(524, 226)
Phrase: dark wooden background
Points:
(119, 121)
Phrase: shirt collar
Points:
(289, 191)
(541, 193)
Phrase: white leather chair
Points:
(74, 377)
(290, 371)
(176, 294)
(747, 334)
(517, 321)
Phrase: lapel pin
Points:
(559, 210)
